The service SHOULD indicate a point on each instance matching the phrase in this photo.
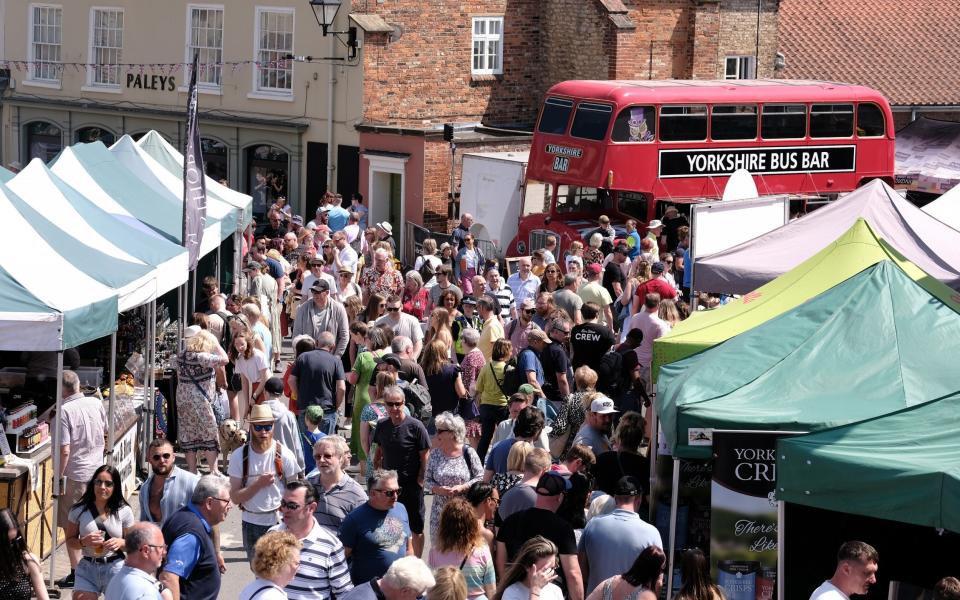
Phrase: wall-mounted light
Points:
(325, 11)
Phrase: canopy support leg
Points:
(652, 454)
(111, 418)
(781, 548)
(55, 450)
(674, 503)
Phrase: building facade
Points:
(83, 70)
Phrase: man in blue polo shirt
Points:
(191, 570)
(135, 581)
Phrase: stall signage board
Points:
(743, 520)
(722, 162)
(124, 455)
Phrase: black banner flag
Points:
(194, 183)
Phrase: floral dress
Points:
(470, 367)
(449, 471)
(196, 389)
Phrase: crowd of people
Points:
(518, 404)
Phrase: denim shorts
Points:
(94, 577)
(251, 533)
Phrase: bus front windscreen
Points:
(575, 199)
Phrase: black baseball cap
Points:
(552, 484)
(628, 485)
(274, 385)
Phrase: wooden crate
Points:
(34, 508)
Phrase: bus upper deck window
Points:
(831, 121)
(591, 121)
(870, 121)
(783, 122)
(635, 124)
(555, 116)
(683, 123)
(731, 122)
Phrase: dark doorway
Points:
(44, 141)
(316, 177)
(267, 168)
(348, 172)
(95, 134)
(215, 160)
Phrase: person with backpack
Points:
(452, 466)
(492, 391)
(259, 472)
(402, 446)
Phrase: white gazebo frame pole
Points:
(55, 451)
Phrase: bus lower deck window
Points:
(783, 122)
(831, 120)
(683, 123)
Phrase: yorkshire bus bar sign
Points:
(695, 162)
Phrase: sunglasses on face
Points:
(530, 311)
(393, 309)
(290, 505)
(263, 427)
(390, 493)
(394, 404)
(102, 483)
(164, 456)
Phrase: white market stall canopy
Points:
(97, 174)
(80, 217)
(946, 208)
(85, 307)
(167, 156)
(925, 241)
(151, 174)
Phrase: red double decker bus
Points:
(629, 148)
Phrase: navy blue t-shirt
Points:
(498, 455)
(402, 445)
(317, 373)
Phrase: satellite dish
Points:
(740, 186)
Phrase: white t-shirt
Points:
(262, 508)
(408, 326)
(519, 591)
(828, 591)
(348, 257)
(251, 367)
(113, 525)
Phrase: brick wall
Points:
(436, 176)
(423, 77)
(738, 33)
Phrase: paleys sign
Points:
(696, 162)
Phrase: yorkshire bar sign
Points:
(758, 161)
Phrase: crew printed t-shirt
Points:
(590, 341)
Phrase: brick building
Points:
(485, 65)
(909, 50)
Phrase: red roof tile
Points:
(907, 49)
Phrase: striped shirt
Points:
(505, 300)
(335, 505)
(323, 569)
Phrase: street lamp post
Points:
(325, 11)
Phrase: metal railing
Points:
(415, 234)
